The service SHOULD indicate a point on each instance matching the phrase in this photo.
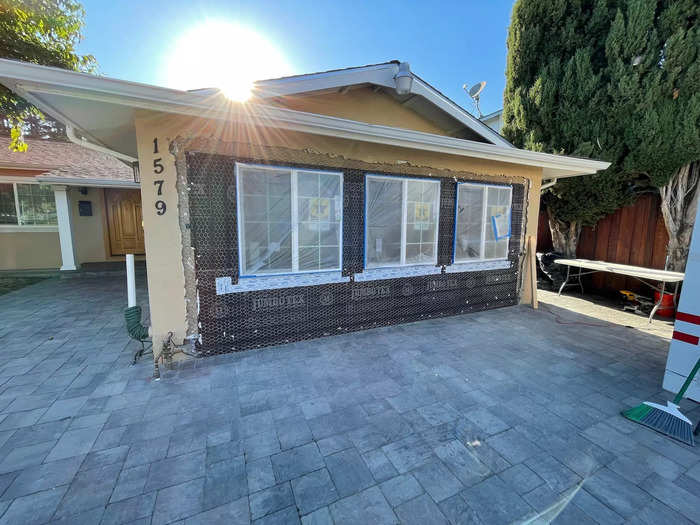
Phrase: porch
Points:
(61, 227)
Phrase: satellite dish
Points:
(474, 93)
(476, 89)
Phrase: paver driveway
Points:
(486, 418)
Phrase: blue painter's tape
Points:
(495, 229)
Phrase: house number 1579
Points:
(158, 169)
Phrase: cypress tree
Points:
(617, 80)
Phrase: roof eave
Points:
(77, 181)
(28, 167)
(31, 80)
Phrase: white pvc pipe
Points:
(548, 184)
(70, 133)
(130, 280)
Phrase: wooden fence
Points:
(633, 235)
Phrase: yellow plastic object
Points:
(630, 296)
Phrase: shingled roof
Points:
(65, 160)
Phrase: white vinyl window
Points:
(289, 220)
(401, 221)
(482, 222)
(27, 204)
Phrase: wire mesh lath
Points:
(244, 320)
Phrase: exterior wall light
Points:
(404, 79)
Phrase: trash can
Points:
(667, 308)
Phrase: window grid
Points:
(294, 187)
(317, 225)
(404, 220)
(263, 218)
(404, 214)
(8, 204)
(418, 203)
(485, 220)
(29, 205)
(295, 222)
(18, 215)
(36, 204)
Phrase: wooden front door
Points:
(124, 221)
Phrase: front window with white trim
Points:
(401, 221)
(289, 220)
(27, 204)
(482, 225)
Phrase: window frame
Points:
(8, 228)
(294, 195)
(484, 221)
(404, 218)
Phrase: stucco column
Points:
(531, 220)
(65, 228)
(161, 225)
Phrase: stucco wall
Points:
(164, 233)
(364, 105)
(25, 250)
(89, 232)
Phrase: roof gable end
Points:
(384, 76)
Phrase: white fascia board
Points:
(24, 72)
(423, 89)
(20, 179)
(31, 80)
(349, 129)
(76, 181)
(381, 75)
(496, 113)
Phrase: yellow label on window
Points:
(320, 208)
(422, 211)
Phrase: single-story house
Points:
(326, 203)
(62, 205)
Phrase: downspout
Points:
(70, 133)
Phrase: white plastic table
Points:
(640, 273)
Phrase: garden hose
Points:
(136, 330)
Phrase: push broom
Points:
(667, 419)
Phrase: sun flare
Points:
(223, 55)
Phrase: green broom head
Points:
(637, 413)
(667, 420)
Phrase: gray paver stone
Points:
(313, 491)
(616, 492)
(349, 472)
(296, 462)
(420, 511)
(225, 482)
(368, 506)
(235, 512)
(400, 489)
(437, 480)
(271, 500)
(495, 503)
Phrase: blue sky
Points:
(447, 43)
